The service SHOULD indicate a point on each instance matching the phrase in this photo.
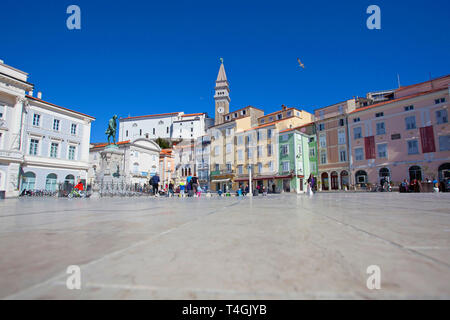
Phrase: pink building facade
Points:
(404, 138)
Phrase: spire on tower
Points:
(222, 75)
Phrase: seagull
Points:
(300, 63)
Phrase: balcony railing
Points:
(221, 172)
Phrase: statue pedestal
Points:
(110, 175)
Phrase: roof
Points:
(280, 111)
(104, 144)
(221, 76)
(54, 105)
(243, 109)
(151, 115)
(396, 100)
(296, 128)
(267, 124)
(193, 114)
(417, 84)
(9, 76)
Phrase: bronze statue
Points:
(111, 131)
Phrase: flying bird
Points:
(300, 63)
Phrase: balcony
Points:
(15, 155)
(222, 172)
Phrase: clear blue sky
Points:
(144, 57)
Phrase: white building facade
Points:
(173, 126)
(141, 160)
(41, 144)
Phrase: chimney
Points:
(1, 61)
(30, 93)
(39, 95)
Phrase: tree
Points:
(163, 144)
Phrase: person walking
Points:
(182, 188)
(171, 193)
(155, 184)
(194, 182)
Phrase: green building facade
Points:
(297, 158)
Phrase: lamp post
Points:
(250, 184)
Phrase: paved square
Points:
(276, 247)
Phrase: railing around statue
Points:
(122, 189)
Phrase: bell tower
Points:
(222, 94)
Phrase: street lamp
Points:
(250, 184)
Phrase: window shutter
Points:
(427, 139)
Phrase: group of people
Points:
(190, 187)
(416, 185)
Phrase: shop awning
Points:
(220, 180)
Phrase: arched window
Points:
(384, 173)
(70, 179)
(29, 180)
(361, 177)
(444, 171)
(344, 179)
(50, 182)
(325, 184)
(415, 173)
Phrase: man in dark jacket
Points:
(154, 181)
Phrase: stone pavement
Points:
(276, 247)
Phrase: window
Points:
(289, 113)
(381, 129)
(34, 144)
(312, 152)
(285, 166)
(259, 151)
(341, 122)
(357, 133)
(262, 121)
(270, 119)
(279, 116)
(56, 124)
(140, 132)
(235, 115)
(444, 143)
(126, 133)
(269, 133)
(321, 114)
(382, 150)
(240, 139)
(270, 164)
(357, 120)
(323, 157)
(379, 114)
(284, 149)
(228, 167)
(409, 108)
(228, 147)
(216, 167)
(323, 141)
(413, 147)
(341, 136)
(36, 119)
(249, 138)
(269, 150)
(359, 154)
(300, 149)
(250, 153)
(240, 155)
(343, 155)
(285, 137)
(241, 169)
(410, 122)
(54, 150)
(341, 109)
(73, 129)
(154, 131)
(441, 116)
(167, 129)
(243, 112)
(2, 111)
(71, 152)
(321, 126)
(260, 167)
(216, 150)
(228, 132)
(441, 100)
